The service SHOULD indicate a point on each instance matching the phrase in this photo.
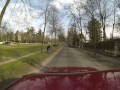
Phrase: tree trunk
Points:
(94, 41)
(3, 11)
(44, 30)
(104, 33)
(80, 37)
(113, 29)
(113, 22)
(55, 36)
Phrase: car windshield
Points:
(58, 36)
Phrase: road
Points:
(70, 57)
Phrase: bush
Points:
(104, 45)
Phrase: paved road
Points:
(69, 57)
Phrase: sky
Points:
(21, 16)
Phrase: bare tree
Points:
(90, 8)
(3, 11)
(114, 19)
(72, 37)
(117, 24)
(46, 14)
(104, 8)
(117, 3)
(54, 22)
(79, 12)
(100, 9)
(77, 15)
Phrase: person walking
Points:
(48, 49)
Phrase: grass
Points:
(12, 70)
(16, 50)
(18, 68)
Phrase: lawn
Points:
(17, 50)
(13, 70)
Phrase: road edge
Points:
(45, 62)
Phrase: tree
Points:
(114, 20)
(6, 32)
(16, 36)
(100, 9)
(90, 8)
(23, 37)
(61, 35)
(39, 36)
(30, 34)
(3, 11)
(117, 24)
(72, 38)
(104, 8)
(3, 32)
(46, 15)
(54, 22)
(10, 35)
(94, 28)
(77, 17)
(117, 3)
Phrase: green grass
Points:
(18, 68)
(12, 70)
(16, 50)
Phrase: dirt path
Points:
(18, 58)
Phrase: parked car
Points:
(7, 42)
(72, 46)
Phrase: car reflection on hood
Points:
(69, 78)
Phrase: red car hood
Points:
(70, 79)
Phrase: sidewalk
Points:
(18, 58)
